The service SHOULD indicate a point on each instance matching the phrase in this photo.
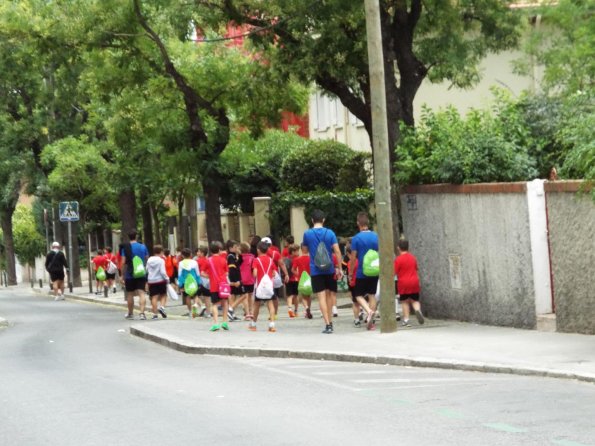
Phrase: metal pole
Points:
(382, 198)
(89, 270)
(70, 258)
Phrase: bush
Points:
(482, 147)
(28, 243)
(323, 165)
(340, 208)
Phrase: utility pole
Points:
(382, 198)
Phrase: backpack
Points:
(111, 267)
(265, 290)
(138, 268)
(322, 259)
(190, 285)
(183, 278)
(100, 275)
(305, 284)
(371, 266)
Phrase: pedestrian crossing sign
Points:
(69, 211)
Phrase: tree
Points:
(325, 43)
(28, 242)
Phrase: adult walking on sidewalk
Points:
(55, 264)
(134, 257)
(365, 286)
(322, 242)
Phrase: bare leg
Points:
(405, 308)
(256, 310)
(130, 302)
(322, 301)
(142, 300)
(224, 308)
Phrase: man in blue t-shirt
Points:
(133, 286)
(324, 281)
(365, 287)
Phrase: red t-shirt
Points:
(99, 261)
(285, 252)
(261, 265)
(221, 270)
(275, 255)
(301, 264)
(293, 277)
(203, 264)
(406, 271)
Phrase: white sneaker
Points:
(335, 312)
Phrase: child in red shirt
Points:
(291, 287)
(262, 265)
(408, 283)
(218, 273)
(298, 266)
(99, 261)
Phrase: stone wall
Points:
(474, 252)
(571, 218)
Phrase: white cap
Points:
(55, 245)
(266, 240)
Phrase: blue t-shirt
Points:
(362, 242)
(312, 237)
(138, 249)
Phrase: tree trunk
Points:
(145, 208)
(6, 222)
(157, 230)
(213, 210)
(127, 202)
(179, 224)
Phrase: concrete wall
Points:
(572, 243)
(474, 252)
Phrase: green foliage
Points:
(28, 242)
(564, 45)
(482, 147)
(323, 165)
(340, 208)
(577, 134)
(252, 167)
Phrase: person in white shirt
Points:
(157, 279)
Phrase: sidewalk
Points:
(442, 344)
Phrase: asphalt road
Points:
(72, 375)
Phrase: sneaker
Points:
(225, 326)
(155, 317)
(370, 319)
(114, 290)
(398, 317)
(248, 317)
(142, 317)
(194, 311)
(186, 314)
(420, 317)
(202, 312)
(291, 313)
(272, 329)
(252, 327)
(357, 323)
(215, 327)
(129, 316)
(230, 314)
(405, 323)
(162, 312)
(308, 313)
(335, 312)
(328, 329)
(361, 315)
(372, 327)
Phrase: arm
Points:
(352, 262)
(337, 252)
(283, 268)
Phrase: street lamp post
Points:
(382, 198)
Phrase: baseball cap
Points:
(266, 240)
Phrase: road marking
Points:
(568, 443)
(505, 428)
(416, 380)
(305, 377)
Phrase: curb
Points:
(186, 347)
(85, 299)
(3, 322)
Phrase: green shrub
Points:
(340, 208)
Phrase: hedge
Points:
(341, 209)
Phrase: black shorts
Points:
(157, 289)
(365, 286)
(324, 282)
(57, 276)
(279, 293)
(248, 289)
(354, 296)
(404, 297)
(173, 280)
(135, 284)
(203, 292)
(109, 276)
(237, 290)
(215, 299)
(291, 288)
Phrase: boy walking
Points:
(133, 283)
(408, 283)
(263, 270)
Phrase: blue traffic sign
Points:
(69, 211)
